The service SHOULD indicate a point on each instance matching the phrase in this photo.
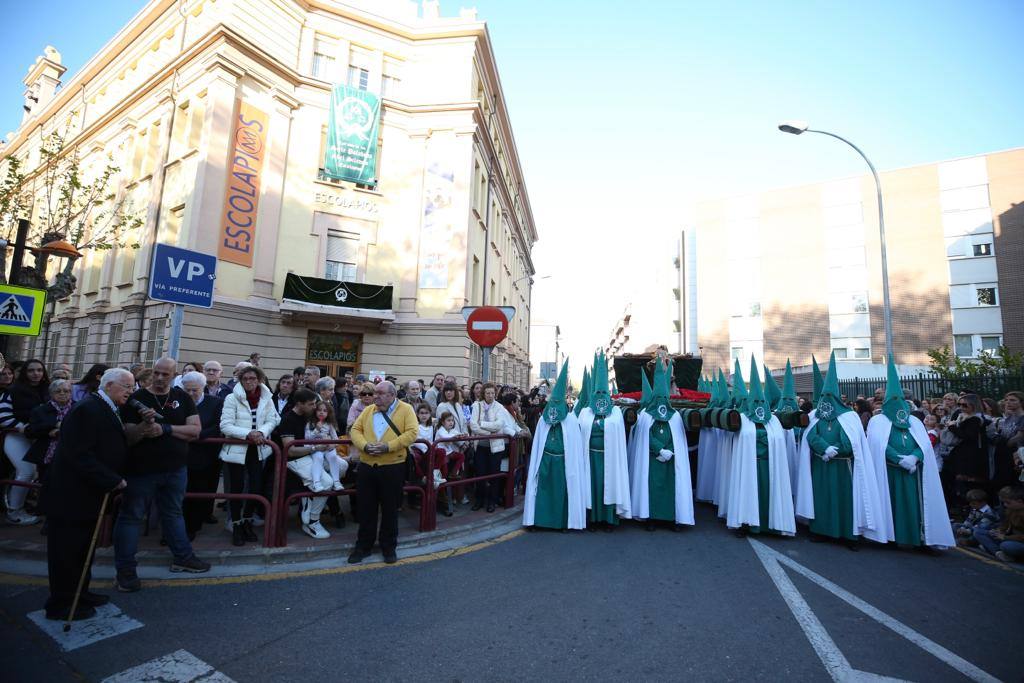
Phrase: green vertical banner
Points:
(352, 128)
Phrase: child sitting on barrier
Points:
(425, 432)
(322, 427)
(453, 457)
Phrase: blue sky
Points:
(626, 112)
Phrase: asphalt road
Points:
(630, 605)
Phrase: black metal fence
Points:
(930, 385)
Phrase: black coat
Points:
(203, 455)
(970, 456)
(90, 460)
(41, 422)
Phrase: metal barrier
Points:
(431, 493)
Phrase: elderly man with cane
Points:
(87, 466)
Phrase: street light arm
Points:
(855, 147)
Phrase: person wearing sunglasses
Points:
(969, 457)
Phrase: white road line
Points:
(772, 561)
(108, 622)
(181, 666)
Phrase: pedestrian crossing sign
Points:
(21, 310)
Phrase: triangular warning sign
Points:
(11, 311)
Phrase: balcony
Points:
(313, 299)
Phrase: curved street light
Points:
(798, 127)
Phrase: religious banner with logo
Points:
(352, 128)
(314, 290)
(241, 200)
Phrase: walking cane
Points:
(88, 561)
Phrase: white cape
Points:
(577, 483)
(792, 458)
(743, 493)
(937, 531)
(870, 517)
(639, 458)
(616, 471)
(707, 463)
(723, 473)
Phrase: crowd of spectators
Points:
(979, 447)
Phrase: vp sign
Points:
(181, 276)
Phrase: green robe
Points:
(551, 509)
(904, 487)
(661, 476)
(832, 481)
(599, 512)
(763, 479)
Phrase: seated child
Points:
(981, 517)
(322, 426)
(1006, 541)
(425, 432)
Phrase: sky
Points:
(626, 113)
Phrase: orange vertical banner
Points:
(241, 200)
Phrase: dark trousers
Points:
(487, 463)
(200, 480)
(379, 487)
(67, 547)
(236, 476)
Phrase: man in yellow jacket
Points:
(382, 433)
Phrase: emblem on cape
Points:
(601, 406)
(759, 412)
(553, 415)
(356, 117)
(825, 409)
(902, 416)
(662, 411)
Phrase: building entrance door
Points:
(334, 353)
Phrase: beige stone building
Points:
(167, 97)
(807, 278)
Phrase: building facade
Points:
(215, 109)
(791, 272)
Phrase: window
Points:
(358, 78)
(391, 87)
(991, 344)
(81, 341)
(54, 345)
(963, 345)
(986, 296)
(323, 60)
(736, 353)
(114, 343)
(840, 354)
(155, 340)
(983, 249)
(342, 258)
(862, 353)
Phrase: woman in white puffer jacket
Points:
(248, 414)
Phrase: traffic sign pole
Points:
(485, 363)
(177, 316)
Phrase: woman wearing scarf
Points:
(44, 427)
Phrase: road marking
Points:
(108, 622)
(181, 666)
(990, 561)
(835, 663)
(20, 580)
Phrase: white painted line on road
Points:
(181, 666)
(109, 621)
(816, 633)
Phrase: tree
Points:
(66, 199)
(948, 365)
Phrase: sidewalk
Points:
(23, 549)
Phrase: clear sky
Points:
(626, 112)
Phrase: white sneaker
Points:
(316, 530)
(257, 520)
(338, 486)
(21, 518)
(304, 514)
(465, 500)
(316, 486)
(438, 479)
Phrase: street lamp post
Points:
(798, 127)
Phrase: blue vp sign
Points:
(180, 276)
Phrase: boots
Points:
(247, 533)
(238, 534)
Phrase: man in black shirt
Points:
(157, 468)
(293, 428)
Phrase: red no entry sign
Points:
(487, 325)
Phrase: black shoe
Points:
(592, 527)
(211, 520)
(192, 565)
(490, 508)
(390, 557)
(127, 582)
(677, 528)
(649, 526)
(83, 612)
(339, 520)
(608, 528)
(446, 512)
(852, 545)
(93, 599)
(237, 535)
(742, 532)
(818, 538)
(357, 555)
(248, 533)
(477, 506)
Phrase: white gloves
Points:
(830, 453)
(909, 463)
(665, 455)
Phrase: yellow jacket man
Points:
(383, 432)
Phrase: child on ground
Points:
(981, 516)
(1006, 541)
(322, 426)
(425, 432)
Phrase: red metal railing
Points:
(431, 492)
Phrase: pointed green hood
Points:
(646, 390)
(895, 406)
(829, 405)
(600, 398)
(557, 409)
(817, 379)
(712, 387)
(583, 399)
(757, 408)
(724, 397)
(788, 400)
(739, 389)
(772, 393)
(659, 407)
